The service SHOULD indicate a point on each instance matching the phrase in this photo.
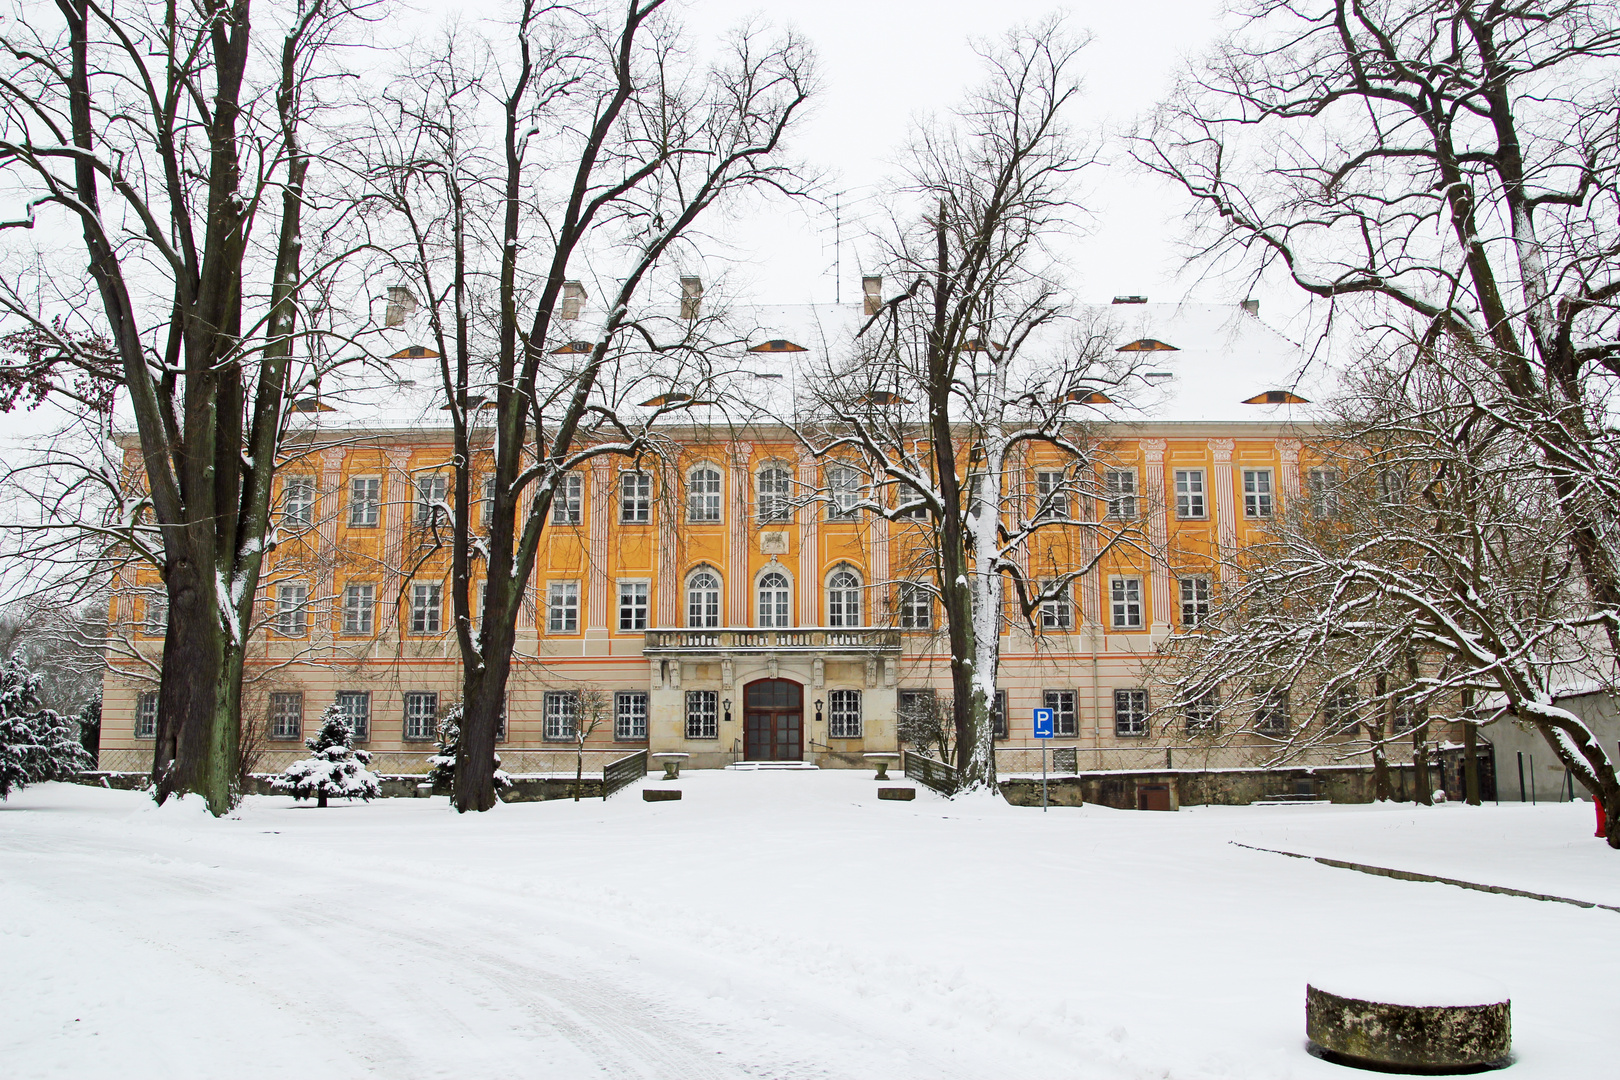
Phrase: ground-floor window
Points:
(286, 715)
(998, 715)
(844, 714)
(1065, 712)
(1130, 713)
(1271, 710)
(561, 708)
(702, 714)
(421, 715)
(1203, 714)
(356, 706)
(146, 715)
(629, 716)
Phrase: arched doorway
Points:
(773, 721)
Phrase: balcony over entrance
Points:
(827, 640)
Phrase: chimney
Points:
(400, 306)
(573, 300)
(1252, 307)
(1134, 299)
(872, 291)
(691, 296)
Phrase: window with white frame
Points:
(486, 503)
(1341, 710)
(1190, 498)
(1403, 717)
(916, 606)
(1052, 494)
(703, 599)
(568, 502)
(1271, 710)
(427, 607)
(1130, 713)
(292, 609)
(843, 491)
(356, 706)
(998, 715)
(146, 715)
(1125, 599)
(562, 607)
(632, 606)
(1257, 494)
(702, 714)
(916, 715)
(421, 715)
(1057, 612)
(1324, 486)
(1194, 600)
(431, 491)
(1119, 494)
(703, 494)
(843, 598)
(286, 715)
(156, 622)
(630, 716)
(1065, 711)
(365, 502)
(561, 710)
(298, 502)
(359, 607)
(844, 714)
(774, 486)
(775, 599)
(1202, 714)
(635, 497)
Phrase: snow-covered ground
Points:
(779, 925)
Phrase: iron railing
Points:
(623, 772)
(930, 773)
(752, 639)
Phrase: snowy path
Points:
(770, 925)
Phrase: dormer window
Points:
(674, 397)
(884, 397)
(573, 348)
(1276, 397)
(1085, 395)
(415, 352)
(1147, 345)
(778, 345)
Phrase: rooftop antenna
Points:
(838, 247)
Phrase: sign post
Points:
(1043, 731)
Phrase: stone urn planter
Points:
(1409, 1020)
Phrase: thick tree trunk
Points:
(189, 694)
(483, 697)
(1471, 764)
(1420, 767)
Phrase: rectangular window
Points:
(1065, 711)
(292, 609)
(1257, 501)
(365, 502)
(702, 714)
(1324, 486)
(1130, 713)
(1194, 601)
(1052, 495)
(157, 616)
(1119, 490)
(912, 508)
(562, 607)
(1401, 717)
(298, 502)
(1057, 612)
(1271, 710)
(486, 503)
(843, 491)
(286, 715)
(635, 497)
(359, 607)
(568, 504)
(427, 607)
(356, 704)
(146, 715)
(630, 716)
(430, 499)
(632, 606)
(916, 607)
(1341, 711)
(421, 715)
(1190, 504)
(561, 710)
(1203, 714)
(844, 714)
(998, 715)
(703, 494)
(916, 716)
(775, 487)
(1125, 598)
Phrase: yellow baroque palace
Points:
(689, 606)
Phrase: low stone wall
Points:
(523, 789)
(1189, 787)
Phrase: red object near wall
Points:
(1600, 834)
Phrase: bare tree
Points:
(592, 709)
(977, 370)
(605, 147)
(163, 136)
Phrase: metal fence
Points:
(623, 772)
(930, 772)
(1152, 757)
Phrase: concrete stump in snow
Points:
(1409, 1020)
(899, 794)
(660, 794)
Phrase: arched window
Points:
(703, 599)
(843, 598)
(703, 494)
(775, 489)
(775, 599)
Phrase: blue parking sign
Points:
(1043, 723)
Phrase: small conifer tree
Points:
(335, 768)
(36, 743)
(442, 763)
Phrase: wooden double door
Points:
(773, 721)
